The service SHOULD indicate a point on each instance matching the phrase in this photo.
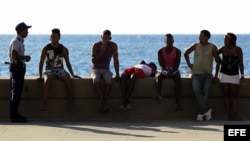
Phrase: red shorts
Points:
(137, 71)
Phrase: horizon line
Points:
(124, 33)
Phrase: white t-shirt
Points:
(16, 44)
(146, 69)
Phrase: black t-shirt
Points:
(54, 57)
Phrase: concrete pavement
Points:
(180, 130)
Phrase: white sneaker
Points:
(122, 107)
(208, 114)
(199, 117)
(129, 107)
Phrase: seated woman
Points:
(128, 78)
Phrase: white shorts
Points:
(224, 78)
(97, 74)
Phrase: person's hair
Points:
(57, 31)
(206, 33)
(106, 32)
(169, 35)
(233, 38)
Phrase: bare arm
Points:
(217, 60)
(15, 56)
(143, 62)
(186, 55)
(241, 65)
(42, 58)
(221, 50)
(116, 60)
(160, 59)
(68, 64)
(177, 60)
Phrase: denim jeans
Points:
(201, 87)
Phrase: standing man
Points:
(202, 66)
(102, 52)
(54, 53)
(17, 70)
(169, 58)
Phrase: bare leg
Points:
(98, 90)
(124, 87)
(177, 81)
(227, 99)
(159, 80)
(47, 82)
(107, 92)
(104, 106)
(234, 101)
(70, 92)
(133, 78)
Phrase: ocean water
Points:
(132, 49)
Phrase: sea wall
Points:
(87, 101)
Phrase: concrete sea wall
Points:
(144, 107)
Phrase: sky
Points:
(126, 16)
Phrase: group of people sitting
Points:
(103, 51)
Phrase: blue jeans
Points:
(201, 87)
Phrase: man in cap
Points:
(17, 70)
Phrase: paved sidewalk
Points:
(115, 131)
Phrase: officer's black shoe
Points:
(19, 119)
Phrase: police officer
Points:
(17, 70)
